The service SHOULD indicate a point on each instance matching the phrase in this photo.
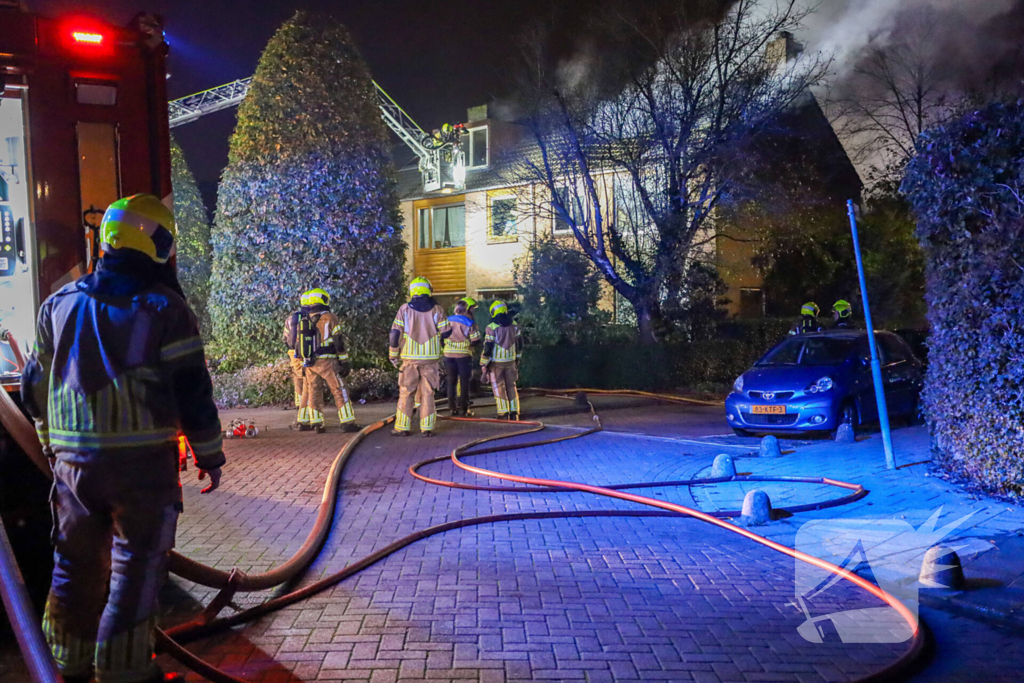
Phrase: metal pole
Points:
(23, 620)
(876, 365)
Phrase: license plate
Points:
(768, 410)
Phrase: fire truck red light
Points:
(87, 38)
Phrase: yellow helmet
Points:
(140, 222)
(843, 308)
(420, 286)
(498, 307)
(810, 308)
(316, 296)
(469, 301)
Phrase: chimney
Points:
(783, 48)
(474, 114)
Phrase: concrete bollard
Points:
(845, 434)
(757, 508)
(941, 569)
(770, 447)
(723, 466)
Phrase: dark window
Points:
(751, 302)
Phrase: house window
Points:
(571, 204)
(442, 227)
(751, 302)
(503, 221)
(476, 145)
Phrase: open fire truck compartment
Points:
(83, 121)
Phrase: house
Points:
(467, 242)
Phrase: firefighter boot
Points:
(350, 427)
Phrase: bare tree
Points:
(894, 93)
(636, 147)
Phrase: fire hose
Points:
(230, 582)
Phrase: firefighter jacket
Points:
(464, 336)
(329, 342)
(502, 343)
(418, 330)
(118, 368)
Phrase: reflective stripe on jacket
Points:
(501, 344)
(420, 332)
(119, 364)
(464, 335)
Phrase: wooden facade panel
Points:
(445, 268)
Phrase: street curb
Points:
(956, 602)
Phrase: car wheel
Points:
(847, 415)
(740, 432)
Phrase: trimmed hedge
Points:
(646, 368)
(966, 188)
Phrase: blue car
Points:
(815, 382)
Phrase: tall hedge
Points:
(195, 254)
(966, 186)
(308, 198)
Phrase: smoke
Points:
(969, 35)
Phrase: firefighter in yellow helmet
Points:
(458, 355)
(503, 349)
(415, 344)
(842, 314)
(324, 358)
(291, 332)
(117, 372)
(808, 319)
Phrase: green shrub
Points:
(195, 255)
(966, 189)
(308, 198)
(271, 384)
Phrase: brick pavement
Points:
(596, 599)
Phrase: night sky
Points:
(435, 58)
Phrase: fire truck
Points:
(83, 121)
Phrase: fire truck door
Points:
(17, 257)
(99, 179)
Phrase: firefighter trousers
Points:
(503, 383)
(113, 529)
(298, 377)
(311, 408)
(417, 382)
(459, 370)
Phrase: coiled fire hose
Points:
(230, 582)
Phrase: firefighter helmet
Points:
(498, 307)
(842, 308)
(420, 286)
(316, 296)
(140, 222)
(469, 301)
(810, 308)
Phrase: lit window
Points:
(442, 227)
(571, 204)
(475, 144)
(503, 225)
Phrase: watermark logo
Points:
(886, 551)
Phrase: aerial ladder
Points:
(442, 162)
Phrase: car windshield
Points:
(810, 351)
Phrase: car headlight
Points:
(737, 386)
(823, 384)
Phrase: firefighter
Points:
(808, 319)
(117, 371)
(842, 314)
(291, 331)
(415, 343)
(325, 360)
(458, 355)
(503, 349)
